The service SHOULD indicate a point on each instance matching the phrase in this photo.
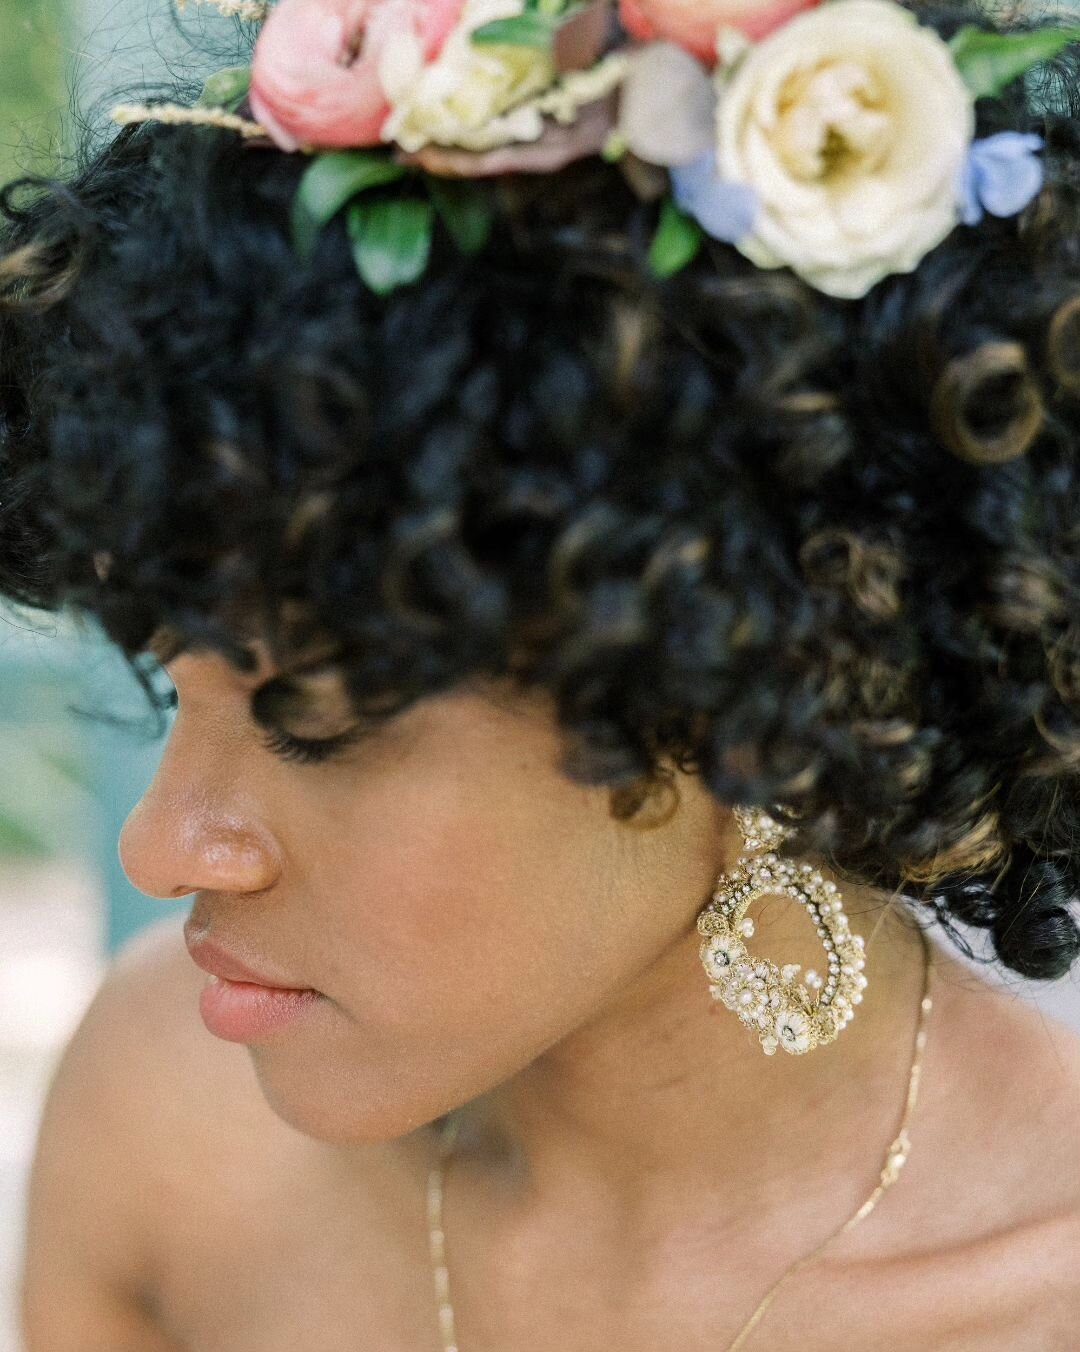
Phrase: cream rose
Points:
(474, 95)
(850, 123)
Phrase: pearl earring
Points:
(768, 999)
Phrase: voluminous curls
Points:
(824, 552)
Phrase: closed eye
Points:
(309, 752)
(297, 749)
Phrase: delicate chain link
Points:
(895, 1157)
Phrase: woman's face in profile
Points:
(459, 902)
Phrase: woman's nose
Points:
(176, 842)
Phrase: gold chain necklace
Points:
(895, 1157)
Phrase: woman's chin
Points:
(342, 1117)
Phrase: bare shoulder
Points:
(234, 1194)
(1022, 1068)
(994, 1201)
(90, 1223)
(977, 1248)
(1024, 1113)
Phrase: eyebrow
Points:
(167, 642)
(163, 644)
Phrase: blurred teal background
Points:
(68, 777)
(69, 781)
(67, 784)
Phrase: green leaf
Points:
(465, 209)
(329, 182)
(226, 88)
(678, 238)
(988, 62)
(391, 240)
(536, 27)
(523, 30)
(615, 147)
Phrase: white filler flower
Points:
(480, 96)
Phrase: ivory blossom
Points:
(474, 95)
(851, 125)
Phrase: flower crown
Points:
(832, 137)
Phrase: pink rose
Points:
(693, 24)
(315, 67)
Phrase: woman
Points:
(564, 533)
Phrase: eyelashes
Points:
(280, 744)
(309, 753)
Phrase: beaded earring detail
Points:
(767, 998)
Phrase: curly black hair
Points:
(823, 552)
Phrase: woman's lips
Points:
(242, 1011)
(218, 961)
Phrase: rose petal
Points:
(275, 132)
(693, 24)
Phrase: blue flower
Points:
(999, 173)
(725, 209)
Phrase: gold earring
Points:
(768, 999)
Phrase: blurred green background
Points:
(33, 68)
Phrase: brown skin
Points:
(486, 933)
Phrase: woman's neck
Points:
(665, 1107)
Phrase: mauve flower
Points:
(667, 113)
(693, 24)
(556, 146)
(315, 67)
